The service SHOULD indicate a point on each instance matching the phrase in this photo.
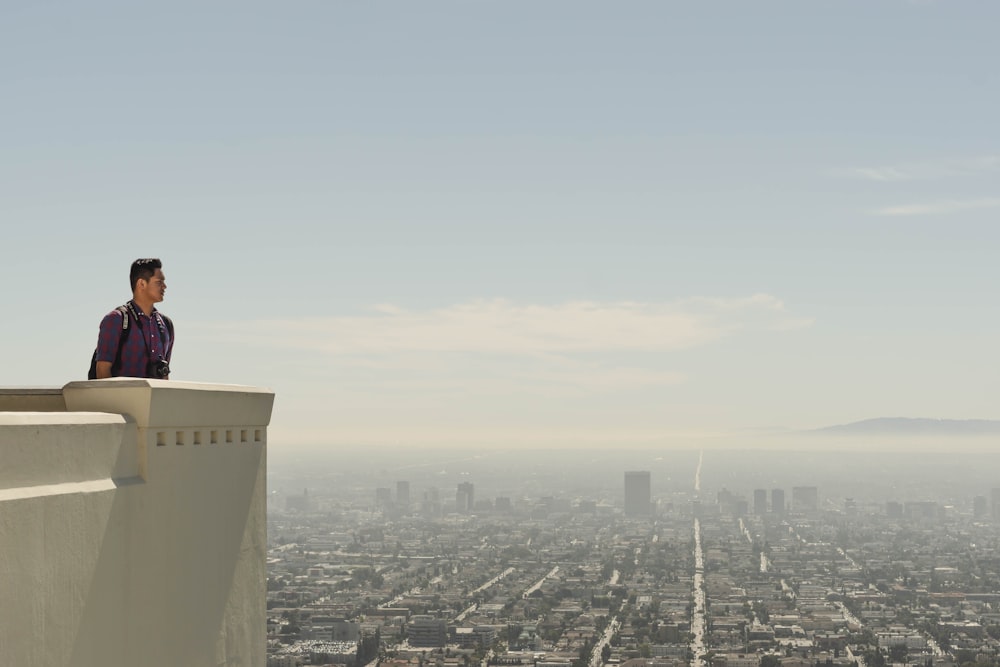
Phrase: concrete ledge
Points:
(163, 403)
(31, 399)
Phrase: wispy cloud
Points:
(928, 170)
(500, 348)
(939, 207)
(500, 326)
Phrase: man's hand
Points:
(103, 369)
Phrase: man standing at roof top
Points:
(136, 340)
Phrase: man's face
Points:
(154, 288)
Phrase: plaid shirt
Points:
(142, 343)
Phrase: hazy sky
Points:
(521, 223)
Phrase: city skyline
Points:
(890, 562)
(559, 224)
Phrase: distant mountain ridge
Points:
(888, 426)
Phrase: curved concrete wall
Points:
(133, 527)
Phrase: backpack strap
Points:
(125, 318)
(116, 366)
(169, 323)
(170, 329)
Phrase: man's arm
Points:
(169, 324)
(108, 342)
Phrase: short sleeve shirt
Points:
(147, 340)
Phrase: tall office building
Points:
(995, 504)
(465, 497)
(638, 497)
(778, 501)
(760, 501)
(805, 498)
(403, 495)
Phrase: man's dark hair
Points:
(144, 269)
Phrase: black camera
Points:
(158, 370)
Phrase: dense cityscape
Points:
(702, 560)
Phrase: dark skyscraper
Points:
(760, 501)
(403, 495)
(638, 498)
(465, 498)
(778, 501)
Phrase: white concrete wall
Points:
(133, 528)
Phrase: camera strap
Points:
(160, 329)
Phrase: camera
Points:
(159, 369)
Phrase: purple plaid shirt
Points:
(142, 343)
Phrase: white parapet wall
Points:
(132, 525)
